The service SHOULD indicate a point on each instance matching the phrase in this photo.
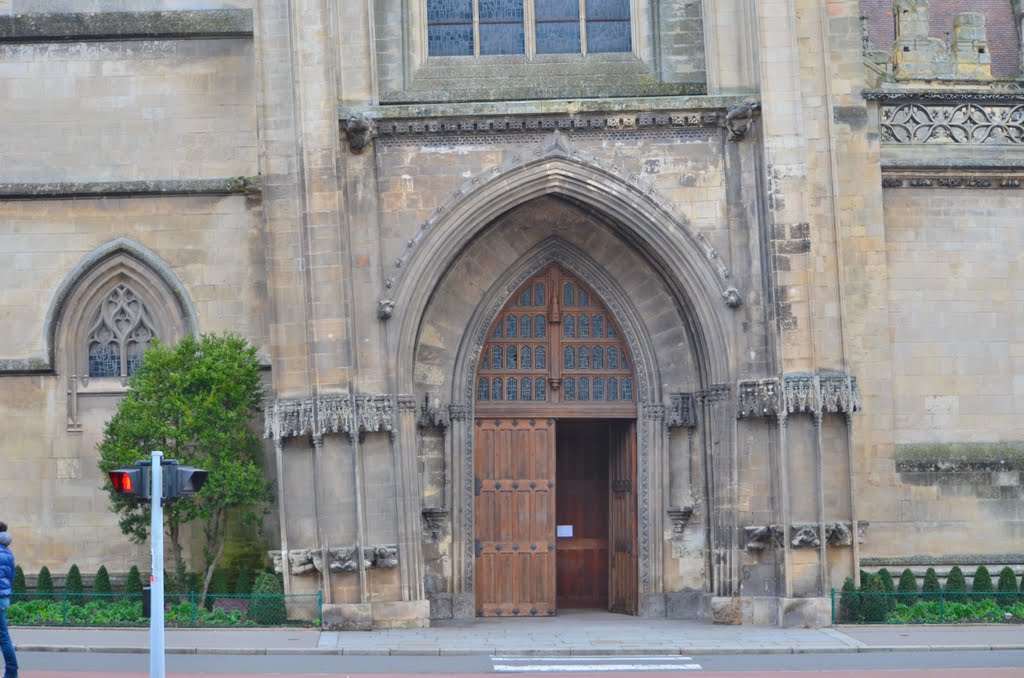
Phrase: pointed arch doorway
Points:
(555, 455)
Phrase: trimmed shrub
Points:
(982, 583)
(885, 579)
(875, 605)
(18, 586)
(44, 584)
(907, 588)
(101, 584)
(849, 602)
(1007, 587)
(73, 582)
(931, 588)
(218, 585)
(133, 583)
(956, 585)
(266, 606)
(243, 585)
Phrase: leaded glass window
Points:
(581, 359)
(119, 332)
(485, 27)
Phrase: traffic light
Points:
(181, 481)
(132, 481)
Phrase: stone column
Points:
(720, 463)
(652, 502)
(410, 535)
(459, 444)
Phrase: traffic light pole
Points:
(156, 581)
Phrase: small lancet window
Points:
(539, 327)
(569, 294)
(542, 358)
(540, 390)
(569, 358)
(569, 326)
(496, 389)
(526, 358)
(524, 327)
(483, 389)
(583, 389)
(511, 327)
(584, 327)
(598, 326)
(526, 389)
(510, 358)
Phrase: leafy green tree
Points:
(931, 588)
(849, 602)
(1007, 587)
(73, 582)
(907, 588)
(18, 586)
(218, 586)
(196, 402)
(266, 606)
(101, 583)
(956, 584)
(44, 584)
(982, 583)
(133, 582)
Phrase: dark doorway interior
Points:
(581, 503)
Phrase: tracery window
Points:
(119, 332)
(529, 27)
(582, 359)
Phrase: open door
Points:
(515, 517)
(622, 584)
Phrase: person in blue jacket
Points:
(6, 590)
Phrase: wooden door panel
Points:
(514, 461)
(622, 519)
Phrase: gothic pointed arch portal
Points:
(555, 454)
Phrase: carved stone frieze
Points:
(289, 418)
(330, 414)
(434, 413)
(340, 559)
(547, 123)
(839, 393)
(828, 392)
(958, 122)
(759, 398)
(714, 393)
(913, 179)
(681, 412)
(761, 537)
(459, 412)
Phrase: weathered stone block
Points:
(808, 613)
(414, 614)
(683, 604)
(347, 617)
(727, 611)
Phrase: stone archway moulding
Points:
(650, 413)
(144, 259)
(691, 268)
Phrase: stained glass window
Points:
(526, 358)
(539, 297)
(584, 326)
(510, 358)
(613, 358)
(584, 297)
(608, 26)
(525, 325)
(540, 390)
(496, 358)
(511, 327)
(613, 389)
(558, 26)
(450, 27)
(542, 358)
(526, 389)
(524, 299)
(627, 389)
(569, 327)
(502, 25)
(496, 388)
(539, 327)
(598, 388)
(119, 332)
(598, 326)
(598, 358)
(569, 295)
(483, 389)
(584, 358)
(569, 359)
(570, 389)
(512, 384)
(583, 389)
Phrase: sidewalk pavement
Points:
(571, 633)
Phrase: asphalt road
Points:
(976, 664)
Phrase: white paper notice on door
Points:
(563, 531)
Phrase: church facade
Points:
(687, 308)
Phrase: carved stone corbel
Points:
(761, 537)
(359, 131)
(434, 413)
(385, 308)
(681, 412)
(679, 517)
(375, 413)
(733, 298)
(739, 118)
(804, 535)
(434, 520)
(760, 398)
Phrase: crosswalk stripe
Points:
(592, 664)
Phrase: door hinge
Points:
(478, 548)
(477, 486)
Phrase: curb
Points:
(520, 652)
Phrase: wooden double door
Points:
(555, 511)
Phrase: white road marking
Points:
(592, 664)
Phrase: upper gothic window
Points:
(119, 332)
(486, 27)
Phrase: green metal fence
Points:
(180, 610)
(939, 607)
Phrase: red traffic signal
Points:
(131, 482)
